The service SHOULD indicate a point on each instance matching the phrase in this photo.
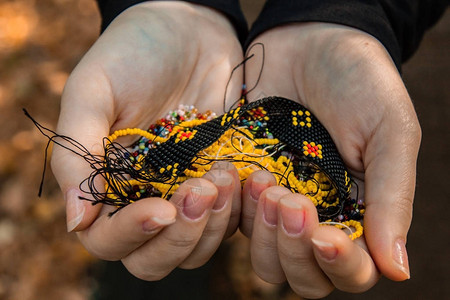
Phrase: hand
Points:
(349, 82)
(151, 58)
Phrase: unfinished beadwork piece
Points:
(273, 134)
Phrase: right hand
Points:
(151, 58)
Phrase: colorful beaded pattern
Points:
(274, 134)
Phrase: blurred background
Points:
(42, 41)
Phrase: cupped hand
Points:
(152, 57)
(349, 82)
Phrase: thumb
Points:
(84, 121)
(390, 163)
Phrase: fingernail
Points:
(74, 209)
(259, 183)
(222, 165)
(292, 216)
(327, 251)
(155, 223)
(270, 208)
(194, 207)
(400, 256)
(223, 182)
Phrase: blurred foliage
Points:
(40, 43)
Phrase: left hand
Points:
(348, 81)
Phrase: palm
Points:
(148, 70)
(347, 79)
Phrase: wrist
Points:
(182, 17)
(343, 44)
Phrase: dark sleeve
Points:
(398, 24)
(110, 9)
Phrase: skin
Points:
(157, 55)
(149, 60)
(349, 82)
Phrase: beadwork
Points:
(273, 134)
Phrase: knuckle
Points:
(98, 250)
(235, 212)
(143, 272)
(180, 242)
(403, 207)
(270, 276)
(213, 231)
(246, 224)
(247, 217)
(294, 256)
(190, 264)
(357, 288)
(313, 292)
(264, 246)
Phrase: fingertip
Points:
(270, 198)
(219, 179)
(195, 197)
(161, 215)
(392, 260)
(298, 214)
(223, 165)
(400, 257)
(257, 182)
(387, 243)
(80, 213)
(331, 237)
(254, 185)
(348, 266)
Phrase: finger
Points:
(390, 164)
(297, 221)
(223, 166)
(214, 231)
(347, 265)
(263, 245)
(112, 238)
(254, 185)
(85, 117)
(155, 259)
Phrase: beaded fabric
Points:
(273, 134)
